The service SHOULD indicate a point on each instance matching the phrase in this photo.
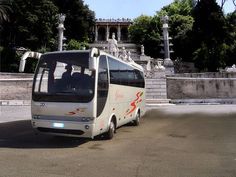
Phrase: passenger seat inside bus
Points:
(81, 81)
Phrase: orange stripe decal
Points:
(134, 102)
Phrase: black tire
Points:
(111, 131)
(137, 119)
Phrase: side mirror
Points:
(94, 53)
(22, 65)
(92, 63)
(25, 56)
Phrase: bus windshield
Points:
(64, 77)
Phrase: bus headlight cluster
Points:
(36, 117)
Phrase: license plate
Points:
(58, 125)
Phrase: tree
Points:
(76, 45)
(230, 57)
(180, 23)
(5, 9)
(180, 31)
(79, 19)
(32, 24)
(180, 7)
(146, 30)
(209, 35)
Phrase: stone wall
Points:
(205, 75)
(202, 86)
(15, 89)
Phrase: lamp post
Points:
(61, 19)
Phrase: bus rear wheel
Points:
(137, 119)
(111, 131)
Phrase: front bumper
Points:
(66, 128)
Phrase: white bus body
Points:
(97, 93)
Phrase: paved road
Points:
(181, 141)
(14, 113)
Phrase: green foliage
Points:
(8, 60)
(76, 45)
(79, 19)
(180, 29)
(231, 41)
(5, 9)
(139, 28)
(210, 29)
(200, 31)
(181, 23)
(33, 25)
(181, 7)
(146, 30)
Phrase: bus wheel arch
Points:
(111, 127)
(137, 117)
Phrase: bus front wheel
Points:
(111, 131)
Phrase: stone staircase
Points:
(156, 93)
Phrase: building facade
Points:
(105, 27)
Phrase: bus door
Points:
(103, 106)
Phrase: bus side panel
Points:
(125, 101)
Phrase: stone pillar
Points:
(167, 61)
(61, 19)
(166, 37)
(107, 33)
(118, 33)
(96, 33)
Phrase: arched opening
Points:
(112, 30)
(124, 34)
(101, 34)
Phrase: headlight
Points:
(36, 117)
(87, 119)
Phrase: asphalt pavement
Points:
(178, 141)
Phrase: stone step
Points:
(157, 97)
(155, 91)
(157, 101)
(155, 83)
(148, 87)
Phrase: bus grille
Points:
(64, 131)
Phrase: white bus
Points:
(86, 93)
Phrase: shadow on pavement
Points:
(19, 134)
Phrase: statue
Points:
(61, 18)
(159, 66)
(123, 56)
(165, 19)
(142, 50)
(113, 46)
(231, 69)
(129, 57)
